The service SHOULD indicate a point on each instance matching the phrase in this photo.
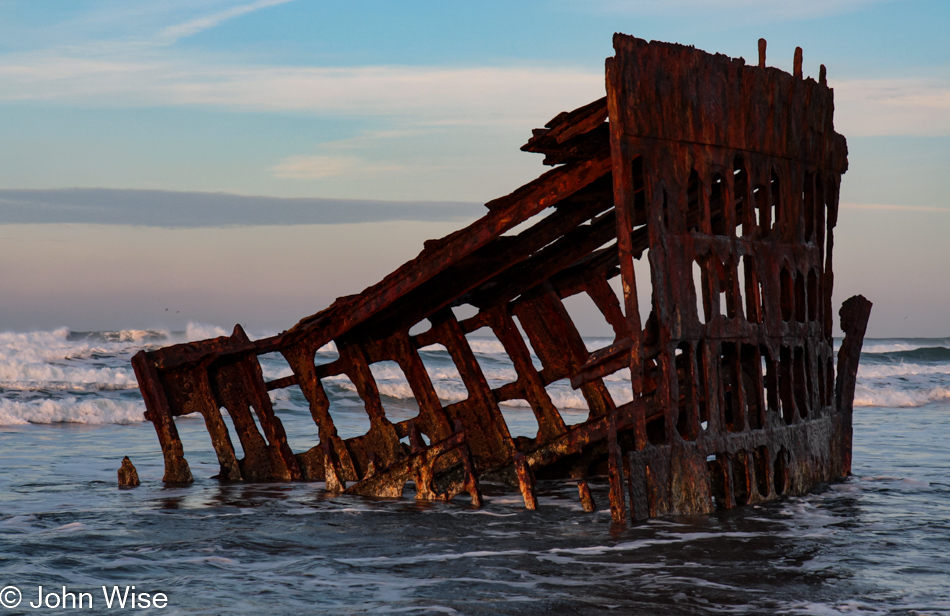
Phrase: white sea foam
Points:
(61, 360)
(51, 361)
(52, 376)
(329, 347)
(201, 331)
(867, 396)
(486, 346)
(37, 376)
(884, 371)
(499, 374)
(71, 410)
(72, 527)
(852, 608)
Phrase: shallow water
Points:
(878, 543)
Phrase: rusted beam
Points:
(160, 414)
(492, 263)
(504, 213)
(854, 314)
(550, 422)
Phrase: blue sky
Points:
(400, 101)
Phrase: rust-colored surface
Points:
(128, 476)
(724, 178)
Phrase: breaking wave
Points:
(868, 396)
(63, 376)
(71, 410)
(929, 354)
(86, 377)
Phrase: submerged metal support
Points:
(854, 315)
(709, 186)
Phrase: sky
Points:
(223, 161)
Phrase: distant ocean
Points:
(877, 543)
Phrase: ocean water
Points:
(877, 543)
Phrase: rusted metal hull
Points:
(724, 177)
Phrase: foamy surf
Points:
(70, 409)
(62, 376)
(86, 377)
(868, 396)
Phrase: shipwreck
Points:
(724, 177)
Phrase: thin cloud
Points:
(313, 167)
(426, 96)
(158, 208)
(177, 32)
(750, 9)
(372, 139)
(432, 96)
(906, 106)
(438, 95)
(316, 167)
